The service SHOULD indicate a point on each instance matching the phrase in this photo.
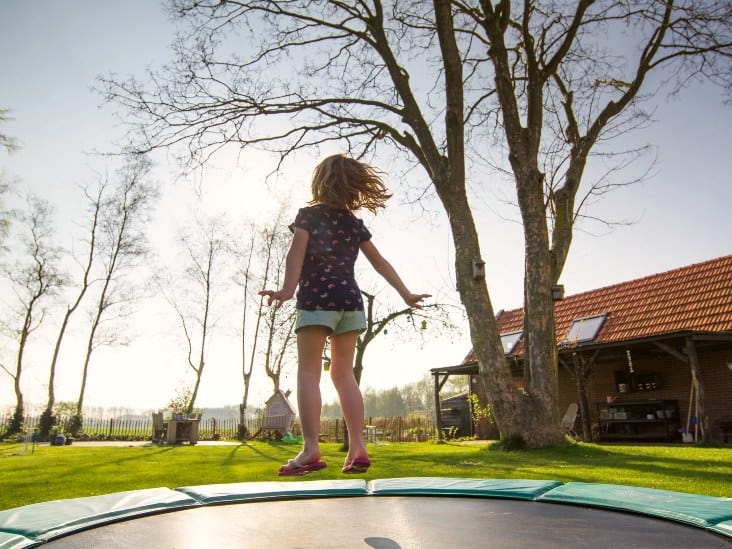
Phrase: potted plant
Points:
(178, 404)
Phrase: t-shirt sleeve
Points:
(303, 220)
(363, 232)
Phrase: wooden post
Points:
(700, 400)
(692, 360)
(438, 415)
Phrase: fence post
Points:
(111, 426)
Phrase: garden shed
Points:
(455, 415)
(647, 359)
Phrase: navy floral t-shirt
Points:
(327, 279)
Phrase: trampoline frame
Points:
(33, 525)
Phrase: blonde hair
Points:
(342, 182)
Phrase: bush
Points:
(479, 412)
(16, 423)
(45, 424)
(75, 424)
(512, 443)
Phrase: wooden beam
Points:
(673, 352)
(566, 366)
(712, 337)
(591, 363)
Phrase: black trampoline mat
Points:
(392, 522)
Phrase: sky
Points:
(54, 51)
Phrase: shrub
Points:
(511, 443)
(16, 422)
(45, 424)
(75, 424)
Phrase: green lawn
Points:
(75, 471)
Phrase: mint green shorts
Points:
(338, 322)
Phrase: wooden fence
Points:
(396, 429)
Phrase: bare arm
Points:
(293, 267)
(385, 269)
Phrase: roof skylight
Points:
(585, 329)
(510, 340)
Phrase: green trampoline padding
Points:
(696, 510)
(438, 486)
(31, 525)
(15, 541)
(252, 491)
(724, 528)
(43, 521)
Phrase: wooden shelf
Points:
(633, 420)
(631, 436)
(635, 382)
(637, 426)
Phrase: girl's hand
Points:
(413, 300)
(278, 297)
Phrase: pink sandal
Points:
(356, 466)
(295, 468)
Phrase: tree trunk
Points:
(45, 426)
(85, 369)
(361, 345)
(52, 372)
(243, 405)
(540, 349)
(19, 368)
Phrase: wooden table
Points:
(182, 430)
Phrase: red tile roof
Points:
(697, 298)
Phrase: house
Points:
(645, 359)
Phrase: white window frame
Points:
(506, 338)
(580, 326)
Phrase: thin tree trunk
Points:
(246, 376)
(96, 203)
(87, 360)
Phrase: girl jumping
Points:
(320, 264)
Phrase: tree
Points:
(122, 248)
(535, 77)
(269, 245)
(34, 278)
(280, 334)
(94, 203)
(279, 322)
(5, 215)
(10, 145)
(377, 323)
(7, 142)
(243, 277)
(204, 250)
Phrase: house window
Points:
(584, 329)
(510, 340)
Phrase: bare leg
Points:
(343, 347)
(310, 343)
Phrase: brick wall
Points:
(675, 382)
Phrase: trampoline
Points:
(418, 512)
